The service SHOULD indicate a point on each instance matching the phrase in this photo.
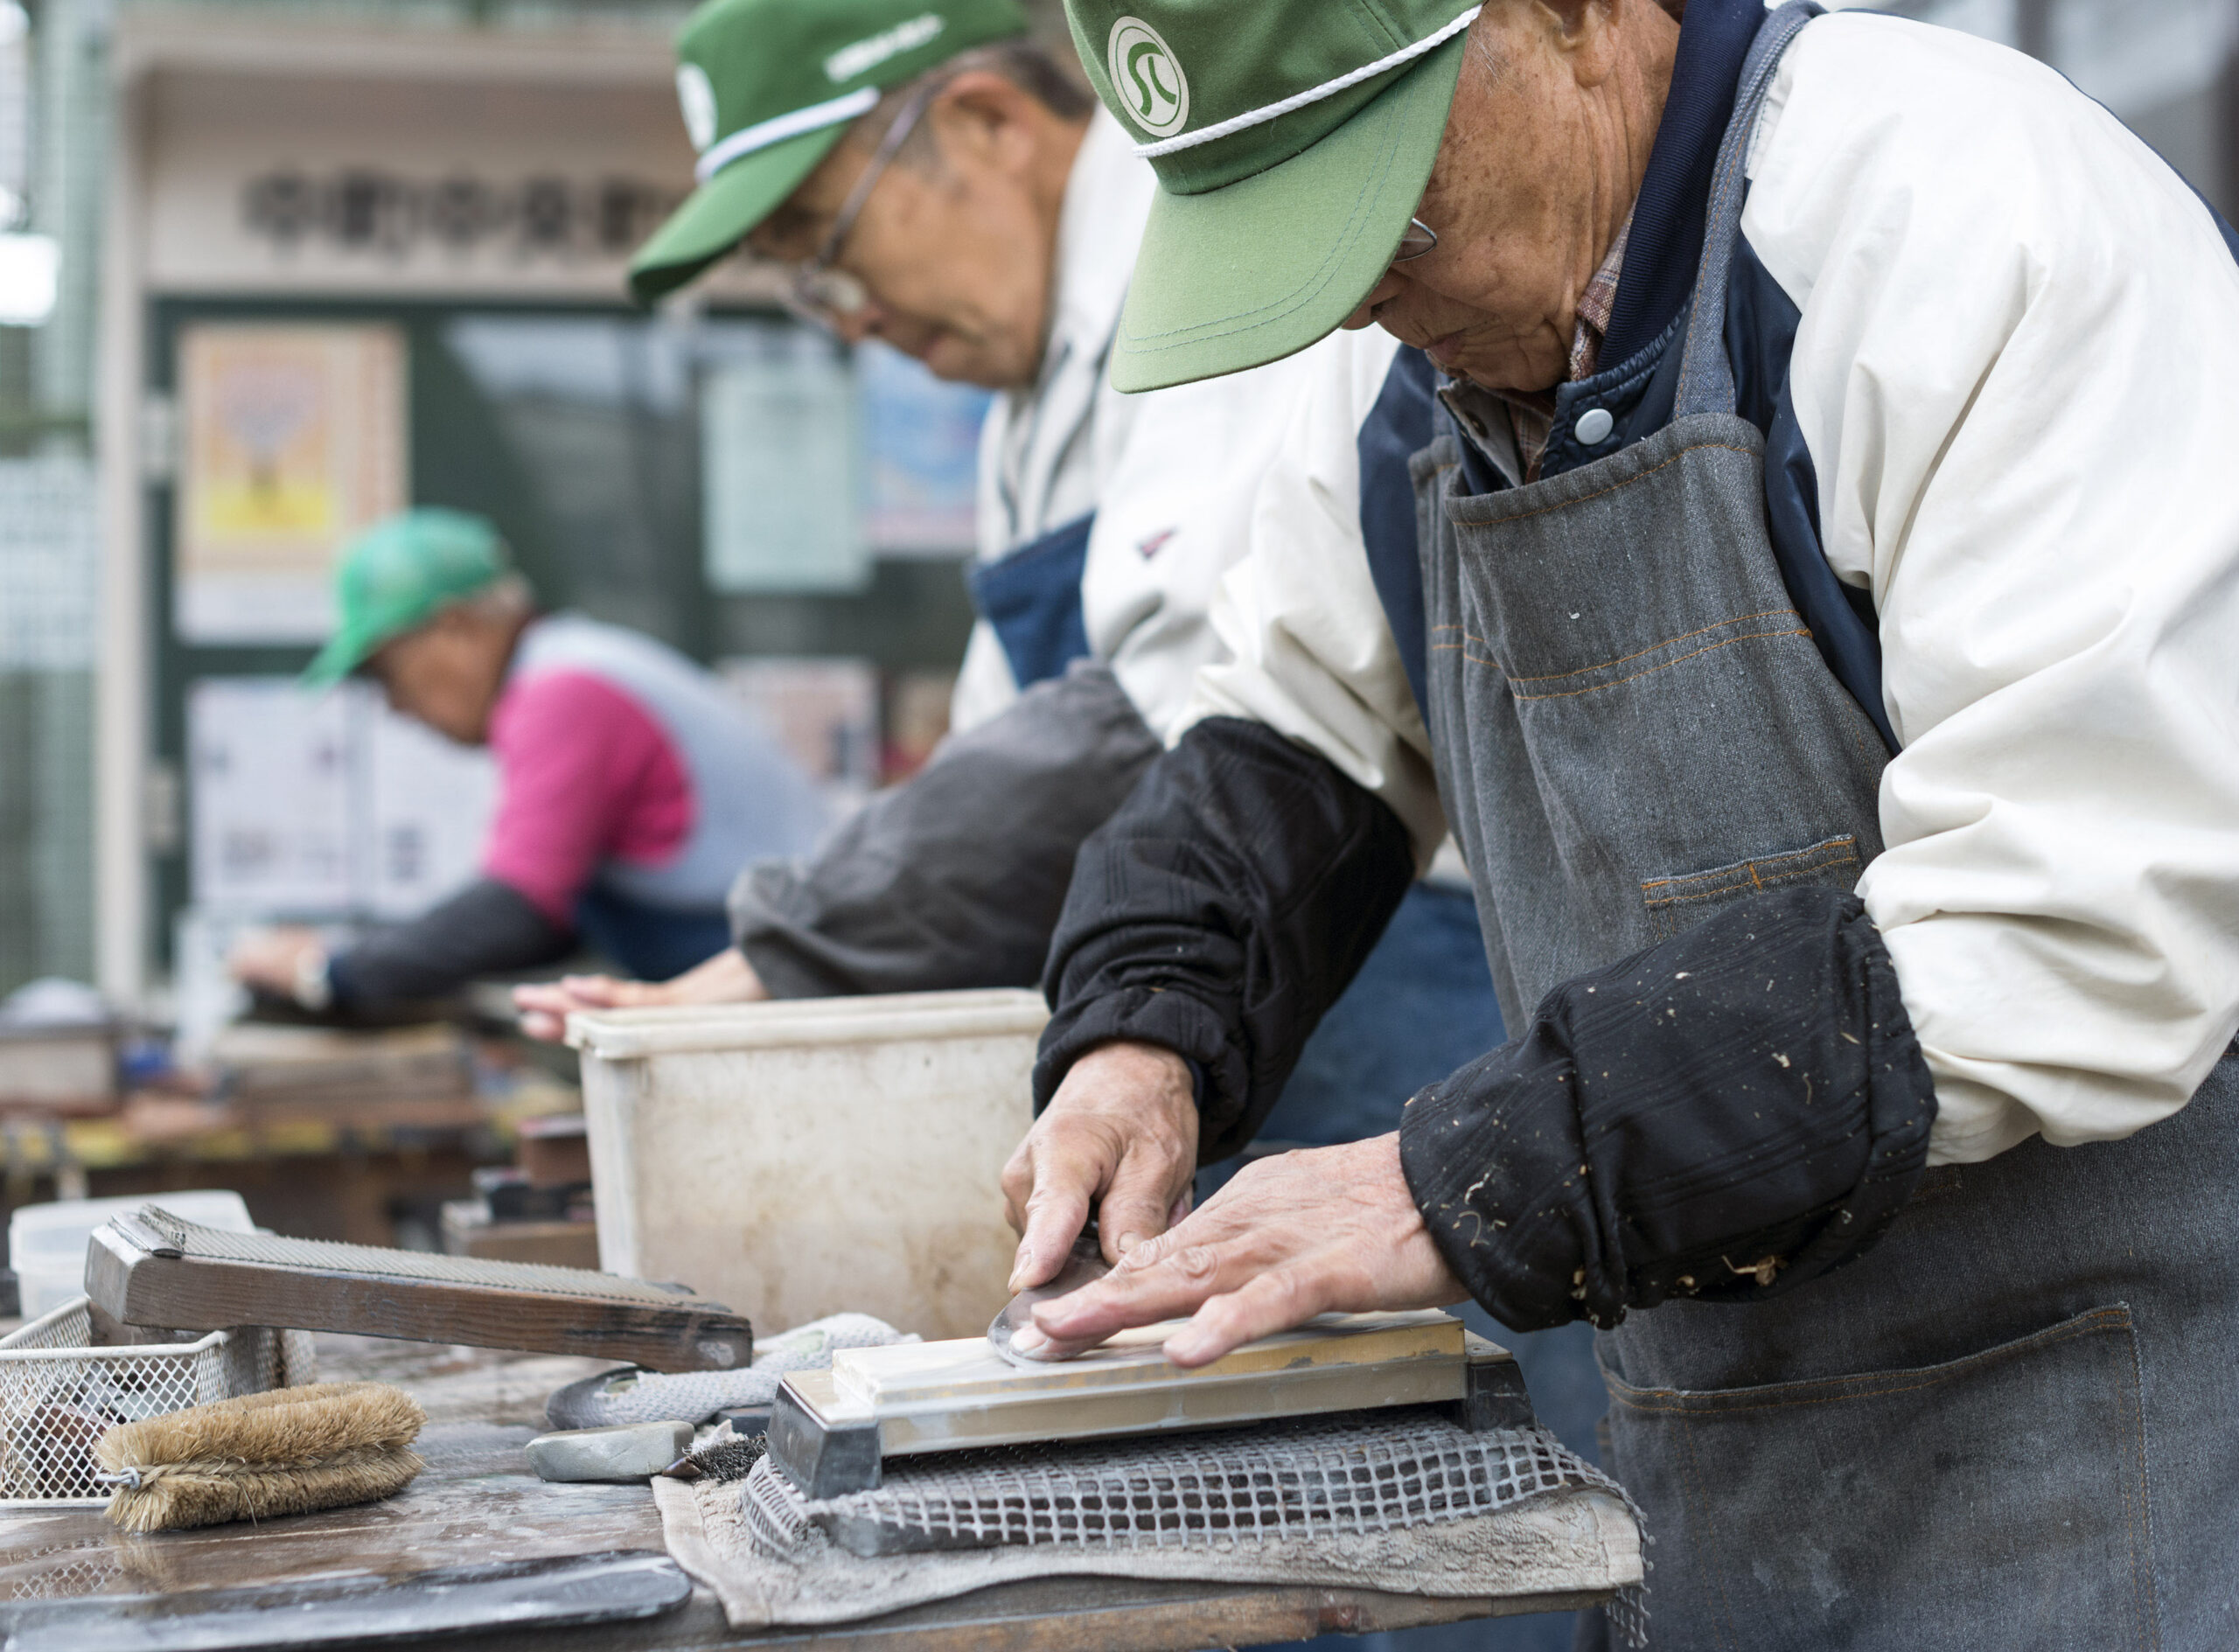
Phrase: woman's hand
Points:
(1330, 1229)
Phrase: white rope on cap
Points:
(778, 128)
(1299, 101)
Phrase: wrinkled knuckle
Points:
(1284, 1289)
(1198, 1264)
(1228, 1316)
(1147, 1253)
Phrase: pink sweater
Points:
(584, 773)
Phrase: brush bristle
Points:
(290, 1450)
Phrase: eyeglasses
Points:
(821, 292)
(1414, 241)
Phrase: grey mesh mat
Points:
(1356, 1471)
(1401, 1501)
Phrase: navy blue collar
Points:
(1665, 248)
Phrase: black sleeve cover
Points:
(1726, 1115)
(1220, 913)
(956, 878)
(488, 928)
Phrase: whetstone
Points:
(830, 1430)
(147, 1267)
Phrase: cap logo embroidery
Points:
(868, 53)
(696, 94)
(1147, 77)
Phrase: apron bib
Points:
(1032, 598)
(2001, 1426)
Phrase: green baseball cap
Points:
(1292, 140)
(396, 575)
(769, 86)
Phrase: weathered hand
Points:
(1329, 1229)
(1119, 1138)
(270, 958)
(725, 978)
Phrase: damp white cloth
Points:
(1580, 1540)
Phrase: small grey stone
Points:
(629, 1450)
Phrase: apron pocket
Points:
(1999, 1499)
(1678, 903)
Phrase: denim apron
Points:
(2007, 1425)
(1031, 597)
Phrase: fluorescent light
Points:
(28, 267)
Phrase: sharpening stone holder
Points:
(149, 1267)
(830, 1431)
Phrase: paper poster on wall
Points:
(293, 439)
(825, 712)
(922, 437)
(275, 797)
(780, 465)
(327, 806)
(430, 805)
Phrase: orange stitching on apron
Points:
(1573, 694)
(1736, 888)
(1615, 487)
(2092, 1324)
(1738, 619)
(1834, 852)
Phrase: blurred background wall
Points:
(458, 180)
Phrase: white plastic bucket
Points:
(807, 1157)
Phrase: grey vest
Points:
(749, 800)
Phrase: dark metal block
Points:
(821, 1460)
(1494, 1394)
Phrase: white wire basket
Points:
(58, 1395)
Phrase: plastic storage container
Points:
(797, 1159)
(47, 1243)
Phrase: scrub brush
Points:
(286, 1452)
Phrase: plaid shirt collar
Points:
(1533, 415)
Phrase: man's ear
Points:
(983, 117)
(1585, 32)
(458, 619)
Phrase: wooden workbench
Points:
(477, 1502)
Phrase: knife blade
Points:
(1084, 1265)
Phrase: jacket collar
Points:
(1100, 225)
(1665, 248)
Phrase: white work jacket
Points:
(2014, 374)
(1170, 475)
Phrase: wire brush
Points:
(286, 1452)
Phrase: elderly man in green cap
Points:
(937, 180)
(929, 175)
(630, 785)
(1814, 622)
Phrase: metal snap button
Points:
(1595, 425)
